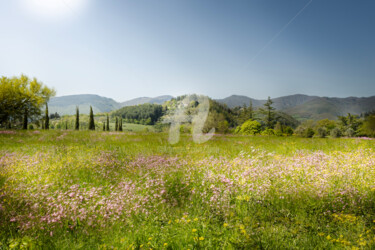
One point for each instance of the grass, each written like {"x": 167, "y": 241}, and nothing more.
{"x": 107, "y": 190}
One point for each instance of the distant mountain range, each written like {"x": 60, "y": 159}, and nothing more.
{"x": 299, "y": 106}
{"x": 66, "y": 105}
{"x": 309, "y": 107}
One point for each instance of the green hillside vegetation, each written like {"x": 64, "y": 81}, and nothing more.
{"x": 66, "y": 105}
{"x": 147, "y": 114}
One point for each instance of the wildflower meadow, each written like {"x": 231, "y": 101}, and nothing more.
{"x": 112, "y": 190}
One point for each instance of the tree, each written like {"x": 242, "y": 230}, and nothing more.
{"x": 116, "y": 125}
{"x": 251, "y": 110}
{"x": 269, "y": 113}
{"x": 66, "y": 125}
{"x": 368, "y": 126}
{"x": 107, "y": 122}
{"x": 120, "y": 124}
{"x": 77, "y": 119}
{"x": 20, "y": 98}
{"x": 103, "y": 126}
{"x": 91, "y": 120}
{"x": 46, "y": 126}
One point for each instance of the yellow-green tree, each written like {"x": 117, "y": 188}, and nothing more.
{"x": 22, "y": 99}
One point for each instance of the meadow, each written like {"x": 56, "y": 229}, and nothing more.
{"x": 133, "y": 190}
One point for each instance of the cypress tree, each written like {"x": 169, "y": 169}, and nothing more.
{"x": 46, "y": 125}
{"x": 103, "y": 126}
{"x": 120, "y": 125}
{"x": 77, "y": 119}
{"x": 42, "y": 124}
{"x": 66, "y": 125}
{"x": 91, "y": 121}
{"x": 116, "y": 125}
{"x": 107, "y": 123}
{"x": 25, "y": 120}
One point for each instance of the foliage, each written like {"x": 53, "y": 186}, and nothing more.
{"x": 250, "y": 127}
{"x": 77, "y": 119}
{"x": 46, "y": 118}
{"x": 91, "y": 120}
{"x": 268, "y": 131}
{"x": 335, "y": 133}
{"x": 147, "y": 114}
{"x": 368, "y": 126}
{"x": 20, "y": 98}
{"x": 269, "y": 113}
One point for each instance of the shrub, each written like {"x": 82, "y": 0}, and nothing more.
{"x": 31, "y": 126}
{"x": 268, "y": 131}
{"x": 350, "y": 132}
{"x": 288, "y": 131}
{"x": 309, "y": 133}
{"x": 250, "y": 127}
{"x": 335, "y": 133}
{"x": 322, "y": 132}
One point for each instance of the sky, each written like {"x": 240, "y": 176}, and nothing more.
{"x": 123, "y": 49}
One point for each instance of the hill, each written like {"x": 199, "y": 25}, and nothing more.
{"x": 309, "y": 107}
{"x": 143, "y": 100}
{"x": 66, "y": 105}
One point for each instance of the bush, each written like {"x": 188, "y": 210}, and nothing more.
{"x": 335, "y": 133}
{"x": 268, "y": 131}
{"x": 31, "y": 126}
{"x": 288, "y": 131}
{"x": 250, "y": 127}
{"x": 309, "y": 133}
{"x": 350, "y": 132}
{"x": 322, "y": 132}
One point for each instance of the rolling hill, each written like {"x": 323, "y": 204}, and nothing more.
{"x": 143, "y": 100}
{"x": 301, "y": 107}
{"x": 305, "y": 107}
{"x": 66, "y": 105}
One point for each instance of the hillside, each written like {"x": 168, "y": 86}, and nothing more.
{"x": 309, "y": 107}
{"x": 143, "y": 100}
{"x": 66, "y": 105}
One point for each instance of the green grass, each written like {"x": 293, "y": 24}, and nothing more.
{"x": 133, "y": 190}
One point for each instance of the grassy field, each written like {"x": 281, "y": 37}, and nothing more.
{"x": 112, "y": 190}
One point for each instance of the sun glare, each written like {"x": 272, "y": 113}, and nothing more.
{"x": 54, "y": 9}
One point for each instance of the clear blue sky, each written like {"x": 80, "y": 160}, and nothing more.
{"x": 130, "y": 48}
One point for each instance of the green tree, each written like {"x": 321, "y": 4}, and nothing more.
{"x": 66, "y": 125}
{"x": 46, "y": 125}
{"x": 103, "y": 126}
{"x": 77, "y": 119}
{"x": 120, "y": 124}
{"x": 20, "y": 98}
{"x": 368, "y": 126}
{"x": 269, "y": 113}
{"x": 91, "y": 120}
{"x": 116, "y": 124}
{"x": 251, "y": 110}
{"x": 107, "y": 122}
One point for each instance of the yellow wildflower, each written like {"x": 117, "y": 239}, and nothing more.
{"x": 201, "y": 238}
{"x": 194, "y": 230}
